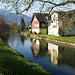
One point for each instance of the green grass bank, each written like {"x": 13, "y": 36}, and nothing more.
{"x": 69, "y": 39}
{"x": 12, "y": 63}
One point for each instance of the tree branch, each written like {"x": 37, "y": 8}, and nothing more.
{"x": 43, "y": 1}
{"x": 27, "y": 7}
{"x": 17, "y": 7}
{"x": 63, "y": 3}
{"x": 42, "y": 7}
{"x": 51, "y": 9}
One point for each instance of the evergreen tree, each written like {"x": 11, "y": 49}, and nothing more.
{"x": 22, "y": 25}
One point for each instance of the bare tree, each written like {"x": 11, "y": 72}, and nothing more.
{"x": 24, "y": 5}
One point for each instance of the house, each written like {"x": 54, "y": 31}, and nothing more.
{"x": 53, "y": 26}
{"x": 62, "y": 23}
{"x": 39, "y": 24}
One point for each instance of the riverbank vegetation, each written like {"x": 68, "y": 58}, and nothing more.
{"x": 69, "y": 39}
{"x": 4, "y": 29}
{"x": 13, "y": 63}
{"x": 14, "y": 27}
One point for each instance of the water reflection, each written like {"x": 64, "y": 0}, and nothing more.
{"x": 59, "y": 55}
{"x": 57, "y": 59}
{"x": 42, "y": 48}
{"x": 53, "y": 52}
{"x": 67, "y": 56}
{"x": 35, "y": 47}
{"x": 22, "y": 38}
{"x": 13, "y": 40}
{"x": 39, "y": 48}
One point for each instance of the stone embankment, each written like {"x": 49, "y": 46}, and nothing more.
{"x": 50, "y": 40}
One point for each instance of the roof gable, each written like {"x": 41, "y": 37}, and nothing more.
{"x": 41, "y": 17}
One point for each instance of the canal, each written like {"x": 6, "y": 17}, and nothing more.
{"x": 60, "y": 60}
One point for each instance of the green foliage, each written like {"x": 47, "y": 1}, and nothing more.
{"x": 61, "y": 32}
{"x": 22, "y": 25}
{"x": 12, "y": 63}
{"x": 15, "y": 27}
{"x": 4, "y": 29}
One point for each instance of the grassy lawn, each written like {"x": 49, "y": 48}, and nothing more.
{"x": 59, "y": 38}
{"x": 12, "y": 63}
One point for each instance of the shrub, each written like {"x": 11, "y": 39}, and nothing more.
{"x": 61, "y": 32}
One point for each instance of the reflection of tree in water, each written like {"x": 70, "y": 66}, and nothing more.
{"x": 31, "y": 39}
{"x": 66, "y": 56}
{"x": 22, "y": 39}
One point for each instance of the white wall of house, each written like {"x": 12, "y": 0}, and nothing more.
{"x": 53, "y": 27}
{"x": 36, "y": 30}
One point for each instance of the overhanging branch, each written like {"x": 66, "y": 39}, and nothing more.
{"x": 63, "y": 3}
{"x": 27, "y": 7}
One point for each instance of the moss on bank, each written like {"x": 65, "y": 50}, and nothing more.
{"x": 12, "y": 63}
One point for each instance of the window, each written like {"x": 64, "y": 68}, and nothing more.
{"x": 43, "y": 25}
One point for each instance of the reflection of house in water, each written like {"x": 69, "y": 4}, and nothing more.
{"x": 53, "y": 51}
{"x": 35, "y": 47}
{"x": 39, "y": 48}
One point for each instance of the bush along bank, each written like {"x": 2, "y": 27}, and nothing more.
{"x": 12, "y": 63}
